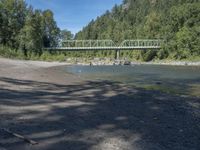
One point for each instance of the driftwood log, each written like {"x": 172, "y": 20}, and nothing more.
{"x": 20, "y": 136}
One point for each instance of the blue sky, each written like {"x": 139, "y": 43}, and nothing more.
{"x": 74, "y": 14}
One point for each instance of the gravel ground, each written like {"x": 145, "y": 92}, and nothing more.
{"x": 62, "y": 111}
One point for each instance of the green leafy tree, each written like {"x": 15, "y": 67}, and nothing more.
{"x": 30, "y": 37}
{"x": 50, "y": 30}
{"x": 12, "y": 16}
{"x": 66, "y": 35}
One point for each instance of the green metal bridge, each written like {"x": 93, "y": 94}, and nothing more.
{"x": 86, "y": 45}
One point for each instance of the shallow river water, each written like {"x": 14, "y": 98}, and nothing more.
{"x": 184, "y": 80}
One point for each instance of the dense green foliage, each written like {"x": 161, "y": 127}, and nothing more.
{"x": 25, "y": 31}
{"x": 175, "y": 21}
{"x": 66, "y": 35}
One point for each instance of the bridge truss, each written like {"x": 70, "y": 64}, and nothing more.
{"x": 71, "y": 45}
{"x": 85, "y": 45}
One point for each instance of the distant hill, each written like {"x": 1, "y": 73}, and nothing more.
{"x": 175, "y": 21}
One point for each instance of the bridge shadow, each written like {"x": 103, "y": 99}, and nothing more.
{"x": 96, "y": 115}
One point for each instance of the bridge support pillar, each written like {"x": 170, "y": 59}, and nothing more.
{"x": 117, "y": 54}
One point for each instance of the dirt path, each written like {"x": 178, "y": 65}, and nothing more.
{"x": 61, "y": 111}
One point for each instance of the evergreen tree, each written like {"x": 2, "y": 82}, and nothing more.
{"x": 176, "y": 22}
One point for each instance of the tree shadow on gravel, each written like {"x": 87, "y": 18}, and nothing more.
{"x": 96, "y": 115}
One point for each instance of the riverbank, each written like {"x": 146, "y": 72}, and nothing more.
{"x": 110, "y": 62}
{"x": 99, "y": 62}
{"x": 35, "y": 70}
{"x": 171, "y": 63}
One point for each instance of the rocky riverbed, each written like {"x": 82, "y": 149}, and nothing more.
{"x": 108, "y": 61}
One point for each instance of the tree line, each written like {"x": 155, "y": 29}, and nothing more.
{"x": 26, "y": 30}
{"x": 175, "y": 21}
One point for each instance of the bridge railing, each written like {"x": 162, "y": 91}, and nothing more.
{"x": 88, "y": 43}
{"x": 109, "y": 43}
{"x": 141, "y": 43}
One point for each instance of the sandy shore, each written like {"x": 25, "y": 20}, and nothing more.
{"x": 63, "y": 112}
{"x": 35, "y": 70}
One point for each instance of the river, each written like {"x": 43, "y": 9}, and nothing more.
{"x": 184, "y": 80}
